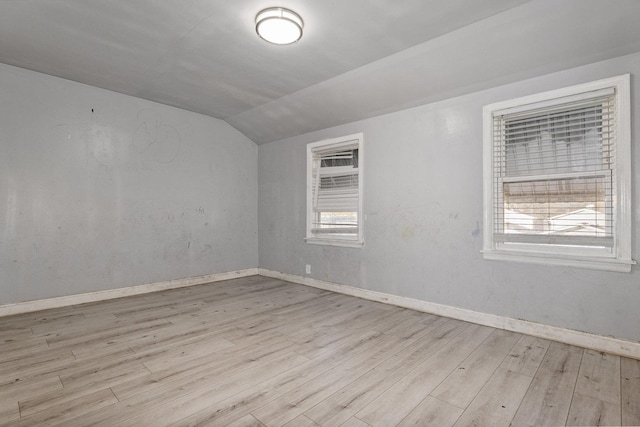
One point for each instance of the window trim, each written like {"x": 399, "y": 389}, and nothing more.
{"x": 353, "y": 242}
{"x": 617, "y": 259}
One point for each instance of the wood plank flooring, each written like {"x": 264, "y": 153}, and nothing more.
{"x": 263, "y": 352}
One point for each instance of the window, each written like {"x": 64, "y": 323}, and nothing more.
{"x": 334, "y": 191}
{"x": 557, "y": 177}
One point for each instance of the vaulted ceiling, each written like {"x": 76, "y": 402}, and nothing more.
{"x": 357, "y": 58}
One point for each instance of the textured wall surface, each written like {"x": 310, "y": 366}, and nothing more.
{"x": 423, "y": 217}
{"x": 100, "y": 190}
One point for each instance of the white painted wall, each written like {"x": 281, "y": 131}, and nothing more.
{"x": 100, "y": 190}
{"x": 423, "y": 217}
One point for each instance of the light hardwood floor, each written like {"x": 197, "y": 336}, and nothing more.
{"x": 258, "y": 351}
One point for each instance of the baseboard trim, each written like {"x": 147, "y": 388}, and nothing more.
{"x": 602, "y": 343}
{"x": 606, "y": 344}
{"x": 64, "y": 301}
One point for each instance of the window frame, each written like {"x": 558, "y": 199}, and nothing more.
{"x": 617, "y": 258}
{"x": 326, "y": 145}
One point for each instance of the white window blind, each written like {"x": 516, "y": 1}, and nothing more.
{"x": 334, "y": 186}
{"x": 335, "y": 190}
{"x": 335, "y": 180}
{"x": 554, "y": 173}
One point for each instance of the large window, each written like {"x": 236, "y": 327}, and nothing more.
{"x": 557, "y": 177}
{"x": 334, "y": 191}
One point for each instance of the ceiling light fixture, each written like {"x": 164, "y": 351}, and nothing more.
{"x": 278, "y": 25}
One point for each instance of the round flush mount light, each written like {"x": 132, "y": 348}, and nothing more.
{"x": 278, "y": 25}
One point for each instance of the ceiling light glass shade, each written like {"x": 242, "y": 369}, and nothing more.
{"x": 278, "y": 25}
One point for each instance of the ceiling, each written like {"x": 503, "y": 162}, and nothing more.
{"x": 357, "y": 58}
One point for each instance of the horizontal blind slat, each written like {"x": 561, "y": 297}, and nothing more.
{"x": 549, "y": 105}
{"x": 605, "y": 241}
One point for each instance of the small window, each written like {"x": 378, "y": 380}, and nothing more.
{"x": 557, "y": 177}
{"x": 334, "y": 191}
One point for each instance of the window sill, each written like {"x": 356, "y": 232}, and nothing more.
{"x": 334, "y": 242}
{"x": 592, "y": 263}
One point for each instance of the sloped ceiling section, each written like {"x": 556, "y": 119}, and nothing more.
{"x": 357, "y": 59}
{"x": 531, "y": 40}
{"x": 205, "y": 56}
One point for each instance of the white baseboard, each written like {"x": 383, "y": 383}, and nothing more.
{"x": 45, "y": 304}
{"x": 568, "y": 336}
{"x": 582, "y": 339}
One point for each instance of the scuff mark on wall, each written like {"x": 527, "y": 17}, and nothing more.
{"x": 476, "y": 232}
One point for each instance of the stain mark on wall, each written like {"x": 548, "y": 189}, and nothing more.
{"x": 476, "y": 232}
{"x": 407, "y": 232}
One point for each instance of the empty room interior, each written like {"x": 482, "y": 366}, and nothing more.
{"x": 295, "y": 213}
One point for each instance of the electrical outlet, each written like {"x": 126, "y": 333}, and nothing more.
{"x": 307, "y": 268}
